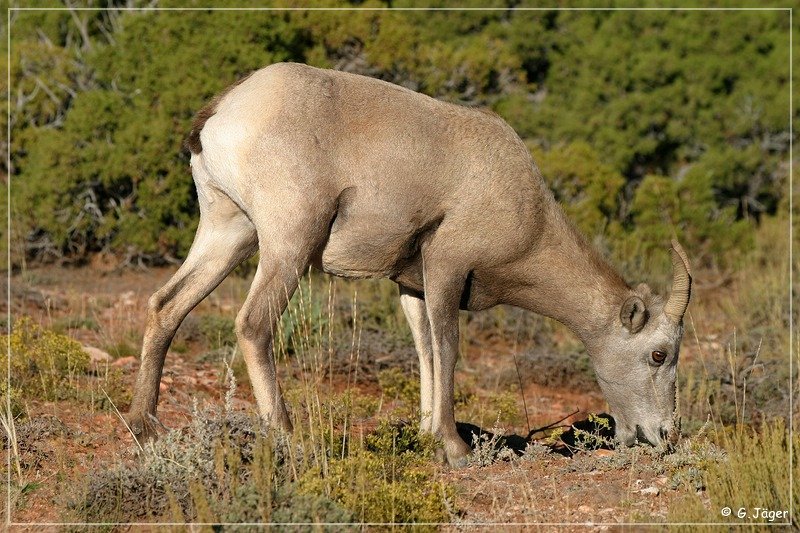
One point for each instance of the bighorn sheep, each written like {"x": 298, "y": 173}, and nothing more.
{"x": 362, "y": 178}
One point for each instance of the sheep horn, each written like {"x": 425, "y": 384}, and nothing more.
{"x": 681, "y": 284}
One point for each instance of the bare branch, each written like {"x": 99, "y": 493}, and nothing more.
{"x": 81, "y": 24}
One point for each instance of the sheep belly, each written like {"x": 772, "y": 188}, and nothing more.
{"x": 364, "y": 251}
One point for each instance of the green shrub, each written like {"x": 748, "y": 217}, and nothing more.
{"x": 696, "y": 98}
{"x": 122, "y": 348}
{"x": 382, "y": 488}
{"x": 324, "y": 513}
{"x": 397, "y": 438}
{"x": 45, "y": 365}
{"x": 218, "y": 331}
{"x": 379, "y": 311}
{"x": 306, "y": 318}
{"x": 110, "y": 390}
{"x": 598, "y": 434}
{"x": 665, "y": 207}
{"x": 116, "y": 189}
{"x": 401, "y": 386}
{"x": 49, "y": 366}
{"x": 589, "y": 189}
{"x": 14, "y": 399}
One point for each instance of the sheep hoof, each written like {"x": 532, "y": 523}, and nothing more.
{"x": 144, "y": 427}
{"x": 454, "y": 453}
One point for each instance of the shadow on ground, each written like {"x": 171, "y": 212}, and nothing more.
{"x": 572, "y": 437}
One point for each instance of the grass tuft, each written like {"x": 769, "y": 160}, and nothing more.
{"x": 753, "y": 473}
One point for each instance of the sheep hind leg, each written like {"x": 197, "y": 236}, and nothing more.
{"x": 225, "y": 237}
{"x": 256, "y": 323}
{"x": 284, "y": 257}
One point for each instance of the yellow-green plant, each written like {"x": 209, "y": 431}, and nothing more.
{"x": 401, "y": 387}
{"x": 752, "y": 483}
{"x": 44, "y": 365}
{"x": 383, "y": 488}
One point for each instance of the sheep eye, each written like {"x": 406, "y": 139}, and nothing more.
{"x": 659, "y": 357}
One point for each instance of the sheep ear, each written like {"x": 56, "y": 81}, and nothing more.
{"x": 633, "y": 314}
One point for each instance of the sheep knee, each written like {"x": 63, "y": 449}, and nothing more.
{"x": 155, "y": 304}
{"x": 248, "y": 327}
{"x": 158, "y": 313}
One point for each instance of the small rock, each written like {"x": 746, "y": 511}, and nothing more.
{"x": 163, "y": 387}
{"x": 167, "y": 380}
{"x": 125, "y": 362}
{"x": 604, "y": 453}
{"x": 96, "y": 355}
{"x": 585, "y": 509}
{"x": 650, "y": 490}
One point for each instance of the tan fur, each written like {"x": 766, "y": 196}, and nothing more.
{"x": 362, "y": 178}
{"x": 192, "y": 142}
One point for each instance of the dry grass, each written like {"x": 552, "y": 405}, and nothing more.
{"x": 348, "y": 365}
{"x": 752, "y": 480}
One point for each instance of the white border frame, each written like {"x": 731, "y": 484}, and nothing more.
{"x": 9, "y": 523}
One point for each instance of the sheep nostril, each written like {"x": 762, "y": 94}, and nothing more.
{"x": 664, "y": 433}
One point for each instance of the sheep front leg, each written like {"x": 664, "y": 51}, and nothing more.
{"x": 442, "y": 297}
